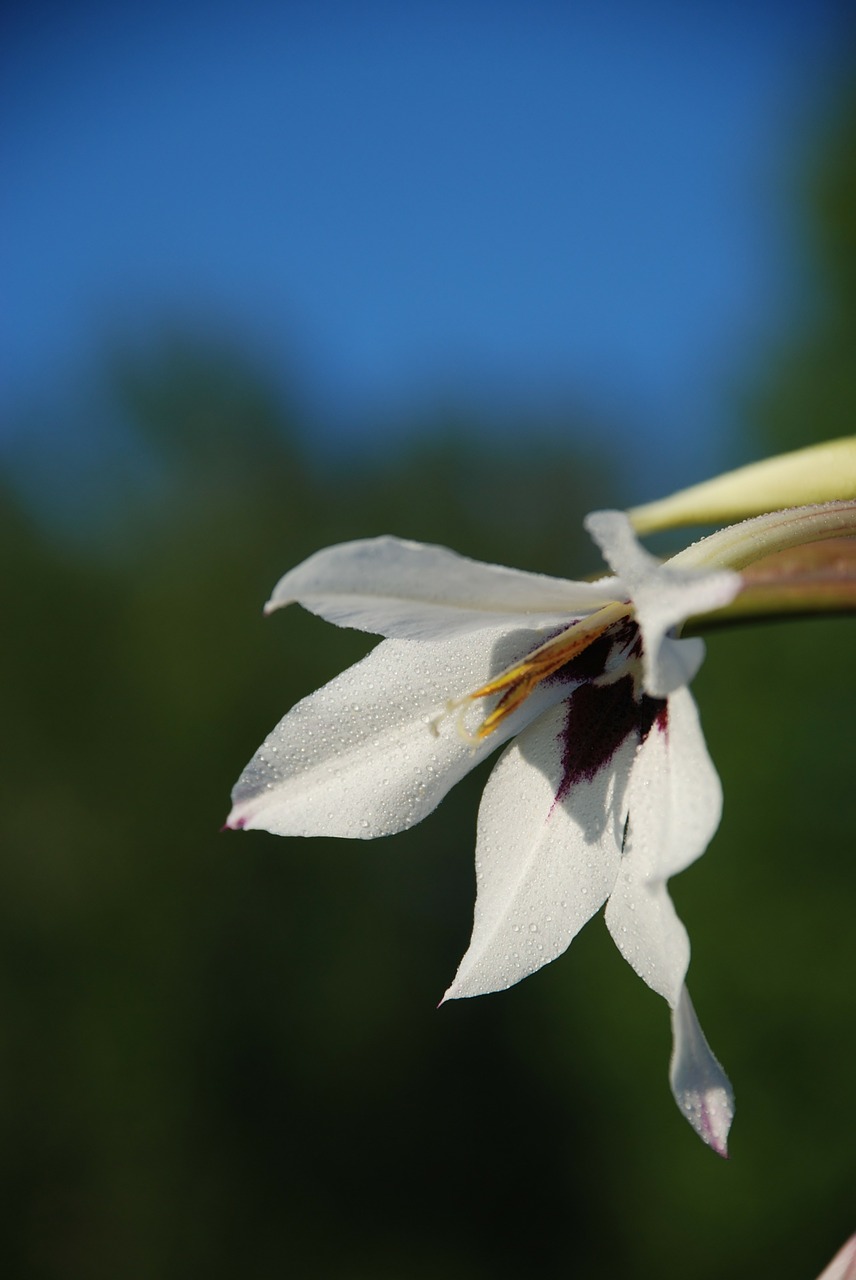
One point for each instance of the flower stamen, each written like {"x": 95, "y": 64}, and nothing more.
{"x": 517, "y": 682}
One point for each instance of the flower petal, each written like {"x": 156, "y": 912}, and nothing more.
{"x": 675, "y": 797}
{"x": 358, "y": 758}
{"x": 409, "y": 590}
{"x": 545, "y": 860}
{"x": 663, "y": 597}
{"x": 674, "y": 802}
{"x": 699, "y": 1085}
{"x": 843, "y": 1265}
{"x": 648, "y": 932}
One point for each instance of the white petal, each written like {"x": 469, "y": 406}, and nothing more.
{"x": 625, "y": 555}
{"x": 700, "y": 1087}
{"x": 674, "y": 802}
{"x": 409, "y": 590}
{"x": 544, "y": 864}
{"x": 675, "y": 796}
{"x": 663, "y": 597}
{"x": 843, "y": 1265}
{"x": 358, "y": 758}
{"x": 648, "y": 933}
{"x": 662, "y": 604}
{"x": 674, "y": 663}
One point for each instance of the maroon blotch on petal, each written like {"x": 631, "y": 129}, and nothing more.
{"x": 599, "y": 719}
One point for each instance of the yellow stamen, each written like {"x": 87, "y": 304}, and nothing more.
{"x": 516, "y": 683}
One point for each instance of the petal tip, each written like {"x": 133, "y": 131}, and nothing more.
{"x": 710, "y": 1112}
{"x": 699, "y": 1085}
{"x": 449, "y": 994}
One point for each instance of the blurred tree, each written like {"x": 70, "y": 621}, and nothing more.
{"x": 211, "y": 1059}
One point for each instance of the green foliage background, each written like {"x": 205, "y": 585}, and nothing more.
{"x": 220, "y": 1053}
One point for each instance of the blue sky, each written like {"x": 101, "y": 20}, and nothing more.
{"x": 394, "y": 202}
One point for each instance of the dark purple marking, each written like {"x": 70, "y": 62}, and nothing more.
{"x": 592, "y": 661}
{"x": 599, "y": 719}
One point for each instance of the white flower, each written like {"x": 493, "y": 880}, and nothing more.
{"x": 606, "y": 790}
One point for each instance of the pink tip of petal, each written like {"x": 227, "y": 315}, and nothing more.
{"x": 843, "y": 1265}
{"x": 234, "y": 824}
{"x": 699, "y": 1085}
{"x": 710, "y": 1113}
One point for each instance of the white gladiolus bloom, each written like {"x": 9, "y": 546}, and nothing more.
{"x": 605, "y": 788}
